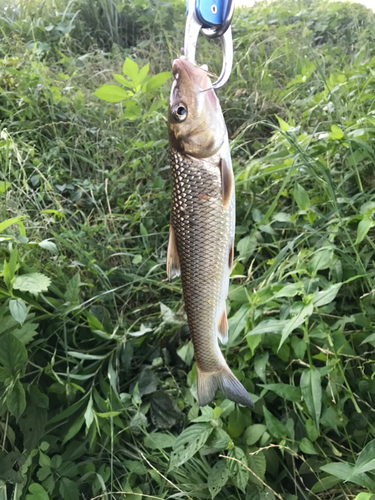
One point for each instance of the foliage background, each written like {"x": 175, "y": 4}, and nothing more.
{"x": 97, "y": 377}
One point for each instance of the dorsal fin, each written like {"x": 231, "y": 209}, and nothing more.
{"x": 222, "y": 327}
{"x": 226, "y": 182}
{"x": 173, "y": 260}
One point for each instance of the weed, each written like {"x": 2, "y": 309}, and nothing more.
{"x": 97, "y": 378}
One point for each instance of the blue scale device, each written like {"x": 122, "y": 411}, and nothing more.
{"x": 211, "y": 13}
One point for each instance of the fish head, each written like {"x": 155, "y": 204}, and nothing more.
{"x": 196, "y": 123}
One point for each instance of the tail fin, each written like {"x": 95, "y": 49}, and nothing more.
{"x": 229, "y": 385}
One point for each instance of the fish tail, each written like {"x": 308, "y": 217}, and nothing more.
{"x": 225, "y": 380}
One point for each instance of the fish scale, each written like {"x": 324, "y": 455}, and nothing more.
{"x": 201, "y": 228}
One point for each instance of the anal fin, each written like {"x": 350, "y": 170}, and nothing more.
{"x": 222, "y": 327}
{"x": 173, "y": 260}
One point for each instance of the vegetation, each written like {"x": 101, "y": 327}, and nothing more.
{"x": 97, "y": 377}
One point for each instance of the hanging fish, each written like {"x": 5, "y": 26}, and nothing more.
{"x": 201, "y": 234}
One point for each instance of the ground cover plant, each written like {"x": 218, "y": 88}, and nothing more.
{"x": 97, "y": 377}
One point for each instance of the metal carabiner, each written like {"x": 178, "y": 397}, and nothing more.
{"x": 215, "y": 24}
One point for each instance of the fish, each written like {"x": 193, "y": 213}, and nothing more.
{"x": 202, "y": 224}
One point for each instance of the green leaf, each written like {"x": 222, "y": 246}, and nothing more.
{"x": 311, "y": 430}
{"x": 219, "y": 440}
{"x": 188, "y": 443}
{"x": 257, "y": 465}
{"x": 37, "y": 492}
{"x": 325, "y": 484}
{"x": 4, "y": 186}
{"x": 186, "y": 353}
{"x": 236, "y": 423}
{"x": 143, "y": 72}
{"x": 74, "y": 429}
{"x": 260, "y": 364}
{"x": 252, "y": 342}
{"x": 268, "y": 326}
{"x": 164, "y": 410}
{"x": 290, "y": 290}
{"x": 282, "y": 124}
{"x": 32, "y": 283}
{"x": 299, "y": 347}
{"x": 49, "y": 245}
{"x": 130, "y": 69}
{"x": 326, "y": 296}
{"x": 34, "y": 418}
{"x": 18, "y": 310}
{"x": 303, "y": 312}
{"x": 320, "y": 260}
{"x": 363, "y": 228}
{"x": 217, "y": 477}
{"x": 89, "y": 414}
{"x": 136, "y": 492}
{"x": 13, "y": 354}
{"x": 246, "y": 247}
{"x": 274, "y": 426}
{"x": 68, "y": 489}
{"x": 79, "y": 101}
{"x": 239, "y": 474}
{"x": 72, "y": 289}
{"x": 13, "y": 263}
{"x": 68, "y": 411}
{"x": 157, "y": 81}
{"x": 306, "y": 446}
{"x": 112, "y": 93}
{"x": 123, "y": 81}
{"x": 336, "y": 133}
{"x": 369, "y": 338}
{"x": 147, "y": 382}
{"x": 254, "y": 433}
{"x": 332, "y": 418}
{"x": 312, "y": 393}
{"x": 26, "y": 332}
{"x": 285, "y": 391}
{"x": 83, "y": 355}
{"x": 132, "y": 112}
{"x": 207, "y": 414}
{"x": 108, "y": 414}
{"x": 159, "y": 440}
{"x": 16, "y": 400}
{"x": 366, "y": 459}
{"x": 43, "y": 473}
{"x": 4, "y": 375}
{"x": 14, "y": 220}
{"x": 138, "y": 423}
{"x": 237, "y": 323}
{"x": 365, "y": 496}
{"x": 342, "y": 470}
{"x": 301, "y": 197}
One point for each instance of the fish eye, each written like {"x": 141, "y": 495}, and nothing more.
{"x": 179, "y": 112}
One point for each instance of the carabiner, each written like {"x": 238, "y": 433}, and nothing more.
{"x": 214, "y": 20}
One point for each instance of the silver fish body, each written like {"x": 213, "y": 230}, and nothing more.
{"x": 202, "y": 224}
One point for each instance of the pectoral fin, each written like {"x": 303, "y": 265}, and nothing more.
{"x": 222, "y": 327}
{"x": 173, "y": 260}
{"x": 231, "y": 256}
{"x": 226, "y": 182}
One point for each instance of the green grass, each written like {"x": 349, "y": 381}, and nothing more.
{"x": 97, "y": 377}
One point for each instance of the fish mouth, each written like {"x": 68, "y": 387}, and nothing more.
{"x": 197, "y": 75}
